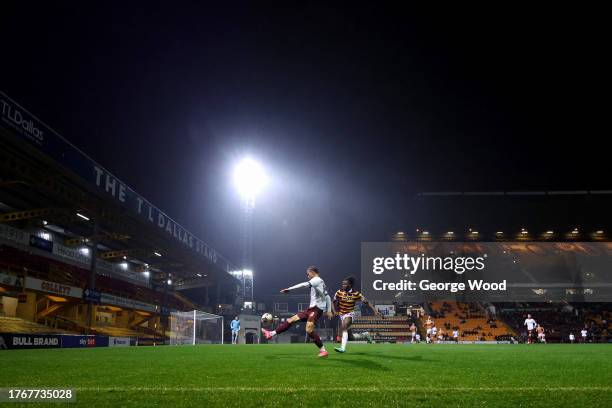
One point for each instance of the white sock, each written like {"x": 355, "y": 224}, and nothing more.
{"x": 273, "y": 333}
{"x": 344, "y": 339}
{"x": 322, "y": 348}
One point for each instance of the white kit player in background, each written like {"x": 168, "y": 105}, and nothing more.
{"x": 531, "y": 325}
{"x": 456, "y": 335}
{"x": 572, "y": 338}
{"x": 584, "y": 334}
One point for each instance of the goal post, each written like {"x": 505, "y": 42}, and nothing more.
{"x": 195, "y": 327}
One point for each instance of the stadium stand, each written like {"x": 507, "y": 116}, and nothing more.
{"x": 388, "y": 329}
{"x": 561, "y": 319}
{"x": 470, "y": 319}
{"x": 58, "y": 207}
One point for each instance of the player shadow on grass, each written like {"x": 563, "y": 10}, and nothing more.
{"x": 403, "y": 358}
{"x": 367, "y": 364}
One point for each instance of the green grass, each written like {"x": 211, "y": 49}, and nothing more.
{"x": 292, "y": 375}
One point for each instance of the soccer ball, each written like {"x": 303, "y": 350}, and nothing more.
{"x": 266, "y": 318}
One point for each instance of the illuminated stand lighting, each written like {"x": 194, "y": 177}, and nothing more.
{"x": 245, "y": 277}
{"x": 82, "y": 216}
{"x": 399, "y": 237}
{"x": 249, "y": 179}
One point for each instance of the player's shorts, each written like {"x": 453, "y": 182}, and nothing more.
{"x": 344, "y": 316}
{"x": 311, "y": 314}
{"x": 540, "y": 335}
{"x": 428, "y": 331}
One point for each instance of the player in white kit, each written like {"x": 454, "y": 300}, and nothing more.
{"x": 320, "y": 302}
{"x": 531, "y": 325}
{"x": 428, "y": 325}
{"x": 434, "y": 334}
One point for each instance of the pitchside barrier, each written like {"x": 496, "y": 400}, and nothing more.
{"x": 34, "y": 341}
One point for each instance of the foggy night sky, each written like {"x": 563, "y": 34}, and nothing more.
{"x": 351, "y": 110}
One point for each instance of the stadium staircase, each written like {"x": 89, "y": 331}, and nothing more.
{"x": 470, "y": 319}
{"x": 137, "y": 319}
{"x": 17, "y": 325}
{"x": 67, "y": 325}
{"x": 389, "y": 329}
{"x": 46, "y": 308}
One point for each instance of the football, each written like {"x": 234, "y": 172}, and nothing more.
{"x": 266, "y": 318}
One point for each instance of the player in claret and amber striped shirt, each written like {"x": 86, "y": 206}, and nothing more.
{"x": 344, "y": 302}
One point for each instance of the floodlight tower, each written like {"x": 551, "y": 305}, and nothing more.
{"x": 250, "y": 179}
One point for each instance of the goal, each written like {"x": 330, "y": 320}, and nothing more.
{"x": 195, "y": 327}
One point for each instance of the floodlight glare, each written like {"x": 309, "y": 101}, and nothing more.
{"x": 249, "y": 178}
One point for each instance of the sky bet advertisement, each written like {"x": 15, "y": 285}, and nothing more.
{"x": 487, "y": 271}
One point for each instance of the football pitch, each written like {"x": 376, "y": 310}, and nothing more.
{"x": 290, "y": 375}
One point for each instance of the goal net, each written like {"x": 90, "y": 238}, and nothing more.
{"x": 195, "y": 327}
